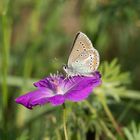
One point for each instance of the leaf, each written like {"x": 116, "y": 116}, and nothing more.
{"x": 132, "y": 132}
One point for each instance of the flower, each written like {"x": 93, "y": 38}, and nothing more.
{"x": 57, "y": 89}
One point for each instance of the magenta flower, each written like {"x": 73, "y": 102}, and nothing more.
{"x": 57, "y": 89}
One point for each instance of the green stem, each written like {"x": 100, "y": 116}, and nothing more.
{"x": 6, "y": 30}
{"x": 125, "y": 111}
{"x": 103, "y": 125}
{"x": 64, "y": 122}
{"x": 110, "y": 116}
{"x": 107, "y": 131}
{"x": 5, "y": 57}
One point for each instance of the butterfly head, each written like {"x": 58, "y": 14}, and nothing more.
{"x": 65, "y": 68}
{"x": 68, "y": 70}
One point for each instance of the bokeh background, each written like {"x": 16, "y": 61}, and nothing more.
{"x": 35, "y": 40}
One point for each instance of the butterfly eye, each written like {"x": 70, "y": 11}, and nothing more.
{"x": 64, "y": 67}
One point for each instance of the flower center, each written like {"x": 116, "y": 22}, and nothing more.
{"x": 57, "y": 87}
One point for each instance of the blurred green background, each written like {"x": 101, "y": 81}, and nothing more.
{"x": 35, "y": 40}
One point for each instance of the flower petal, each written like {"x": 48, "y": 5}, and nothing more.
{"x": 83, "y": 87}
{"x": 57, "y": 100}
{"x": 37, "y": 97}
{"x": 48, "y": 82}
{"x": 42, "y": 83}
{"x": 56, "y": 89}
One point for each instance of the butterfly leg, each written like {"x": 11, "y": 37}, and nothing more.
{"x": 72, "y": 79}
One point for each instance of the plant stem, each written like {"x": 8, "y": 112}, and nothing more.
{"x": 110, "y": 116}
{"x": 108, "y": 132}
{"x": 64, "y": 122}
{"x": 6, "y": 32}
{"x": 5, "y": 57}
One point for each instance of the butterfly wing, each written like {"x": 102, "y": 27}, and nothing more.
{"x": 81, "y": 43}
{"x": 87, "y": 62}
{"x": 84, "y": 58}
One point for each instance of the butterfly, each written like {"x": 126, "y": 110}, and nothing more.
{"x": 83, "y": 59}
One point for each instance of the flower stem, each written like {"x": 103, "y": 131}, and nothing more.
{"x": 64, "y": 122}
